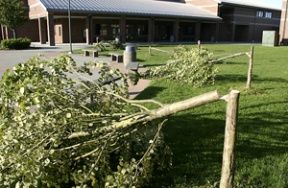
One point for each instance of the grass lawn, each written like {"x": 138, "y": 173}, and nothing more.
{"x": 196, "y": 136}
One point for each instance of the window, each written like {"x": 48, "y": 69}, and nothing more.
{"x": 142, "y": 30}
{"x": 259, "y": 14}
{"x": 103, "y": 29}
{"x": 115, "y": 29}
{"x": 189, "y": 30}
{"x": 268, "y": 14}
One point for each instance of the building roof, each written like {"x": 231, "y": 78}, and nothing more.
{"x": 250, "y": 3}
{"x": 130, "y": 7}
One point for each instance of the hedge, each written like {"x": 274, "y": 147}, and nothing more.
{"x": 19, "y": 43}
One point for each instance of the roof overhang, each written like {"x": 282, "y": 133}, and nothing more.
{"x": 148, "y": 8}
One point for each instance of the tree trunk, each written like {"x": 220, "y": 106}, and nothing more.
{"x": 158, "y": 113}
{"x": 14, "y": 33}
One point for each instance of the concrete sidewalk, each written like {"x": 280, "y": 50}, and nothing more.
{"x": 9, "y": 58}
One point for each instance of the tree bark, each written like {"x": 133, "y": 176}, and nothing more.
{"x": 227, "y": 57}
{"x": 228, "y": 164}
{"x": 158, "y": 113}
{"x": 14, "y": 33}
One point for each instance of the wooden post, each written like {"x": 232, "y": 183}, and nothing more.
{"x": 249, "y": 77}
{"x": 228, "y": 163}
{"x": 149, "y": 50}
{"x": 199, "y": 47}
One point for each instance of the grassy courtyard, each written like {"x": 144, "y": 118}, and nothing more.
{"x": 196, "y": 136}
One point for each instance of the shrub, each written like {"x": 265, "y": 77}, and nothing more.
{"x": 116, "y": 45}
{"x": 100, "y": 46}
{"x": 19, "y": 43}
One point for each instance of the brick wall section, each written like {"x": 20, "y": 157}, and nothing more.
{"x": 283, "y": 32}
{"x": 30, "y": 30}
{"x": 241, "y": 24}
{"x": 209, "y": 5}
{"x": 78, "y": 27}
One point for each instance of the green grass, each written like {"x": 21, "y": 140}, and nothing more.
{"x": 196, "y": 136}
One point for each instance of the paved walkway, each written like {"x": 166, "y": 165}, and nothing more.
{"x": 12, "y": 57}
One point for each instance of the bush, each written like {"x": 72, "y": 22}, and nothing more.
{"x": 19, "y": 43}
{"x": 100, "y": 46}
{"x": 116, "y": 45}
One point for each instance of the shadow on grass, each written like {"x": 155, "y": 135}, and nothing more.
{"x": 150, "y": 92}
{"x": 240, "y": 78}
{"x": 231, "y": 63}
{"x": 197, "y": 145}
{"x": 154, "y": 65}
{"x": 231, "y": 77}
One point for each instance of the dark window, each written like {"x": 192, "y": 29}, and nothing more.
{"x": 98, "y": 29}
{"x": 103, "y": 29}
{"x": 189, "y": 30}
{"x": 142, "y": 30}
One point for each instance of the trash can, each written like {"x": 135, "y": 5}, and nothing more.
{"x": 129, "y": 54}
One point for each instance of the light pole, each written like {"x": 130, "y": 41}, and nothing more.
{"x": 69, "y": 20}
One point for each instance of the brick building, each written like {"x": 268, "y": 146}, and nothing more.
{"x": 148, "y": 20}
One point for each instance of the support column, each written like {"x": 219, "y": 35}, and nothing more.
{"x": 50, "y": 29}
{"x": 151, "y": 30}
{"x": 176, "y": 30}
{"x": 42, "y": 30}
{"x": 122, "y": 24}
{"x": 197, "y": 31}
{"x": 2, "y": 32}
{"x": 89, "y": 30}
{"x": 6, "y": 32}
{"x": 217, "y": 32}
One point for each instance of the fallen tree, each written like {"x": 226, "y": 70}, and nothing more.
{"x": 53, "y": 136}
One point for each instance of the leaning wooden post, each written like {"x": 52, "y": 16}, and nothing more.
{"x": 249, "y": 77}
{"x": 228, "y": 163}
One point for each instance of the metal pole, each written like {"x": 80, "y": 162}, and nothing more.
{"x": 69, "y": 19}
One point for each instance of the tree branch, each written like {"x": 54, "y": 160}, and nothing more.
{"x": 155, "y": 114}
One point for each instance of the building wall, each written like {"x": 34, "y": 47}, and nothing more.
{"x": 29, "y": 30}
{"x": 283, "y": 32}
{"x": 62, "y": 30}
{"x": 241, "y": 23}
{"x": 238, "y": 24}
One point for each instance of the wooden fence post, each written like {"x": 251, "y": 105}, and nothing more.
{"x": 249, "y": 77}
{"x": 228, "y": 164}
{"x": 199, "y": 47}
{"x": 149, "y": 50}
